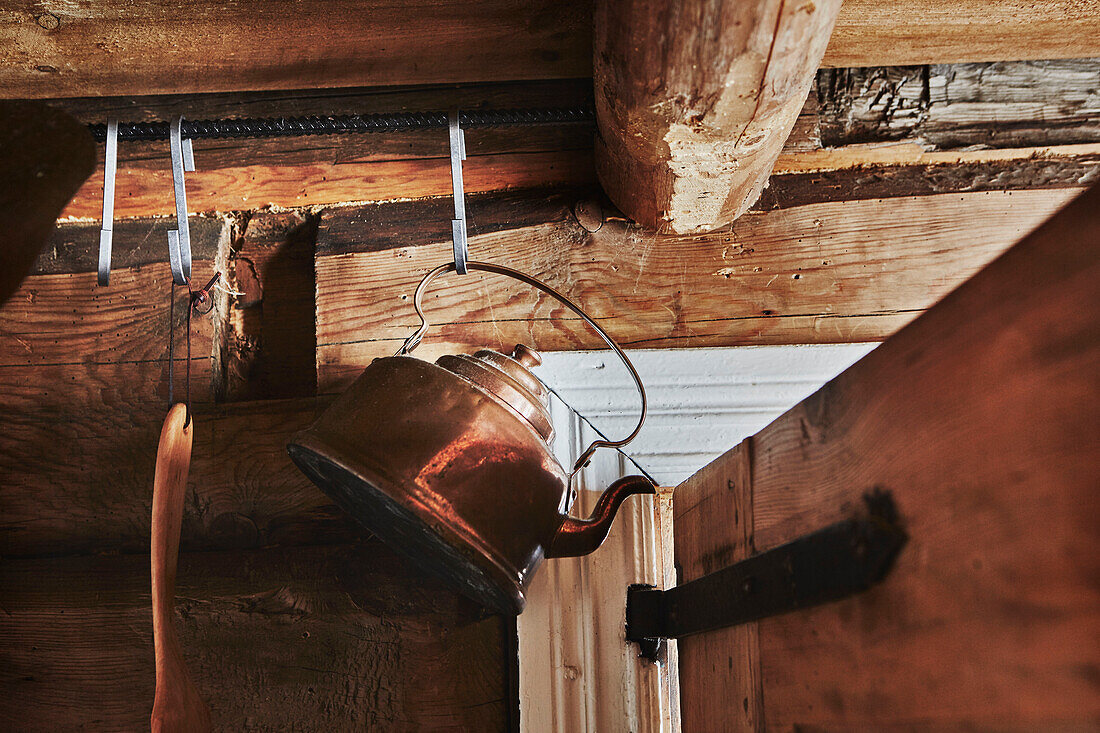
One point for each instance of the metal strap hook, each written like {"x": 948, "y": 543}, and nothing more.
{"x": 179, "y": 239}
{"x": 458, "y": 224}
{"x": 106, "y": 231}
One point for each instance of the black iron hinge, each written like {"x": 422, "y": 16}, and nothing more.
{"x": 830, "y": 564}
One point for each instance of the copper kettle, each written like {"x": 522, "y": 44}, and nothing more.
{"x": 450, "y": 463}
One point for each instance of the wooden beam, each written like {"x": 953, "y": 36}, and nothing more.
{"x": 816, "y": 273}
{"x": 947, "y": 106}
{"x": 91, "y": 49}
{"x": 980, "y": 419}
{"x": 88, "y": 48}
{"x": 328, "y": 169}
{"x": 307, "y": 638}
{"x": 900, "y": 32}
{"x": 954, "y": 138}
{"x": 695, "y": 100}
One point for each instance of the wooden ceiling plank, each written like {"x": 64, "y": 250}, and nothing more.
{"x": 907, "y": 32}
{"x": 92, "y": 48}
{"x": 89, "y": 47}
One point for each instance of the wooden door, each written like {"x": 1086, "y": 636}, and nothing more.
{"x": 981, "y": 418}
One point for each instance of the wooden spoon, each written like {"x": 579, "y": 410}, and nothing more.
{"x": 176, "y": 705}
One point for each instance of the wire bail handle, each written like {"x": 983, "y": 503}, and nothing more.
{"x": 414, "y": 340}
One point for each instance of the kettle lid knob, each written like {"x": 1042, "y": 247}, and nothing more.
{"x": 526, "y": 356}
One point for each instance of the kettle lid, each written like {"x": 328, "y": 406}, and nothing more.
{"x": 508, "y": 380}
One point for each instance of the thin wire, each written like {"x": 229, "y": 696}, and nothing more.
{"x": 171, "y": 342}
{"x": 598, "y": 432}
{"x": 190, "y": 310}
{"x": 171, "y": 350}
{"x": 195, "y": 298}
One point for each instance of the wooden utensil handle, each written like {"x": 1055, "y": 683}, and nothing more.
{"x": 176, "y": 705}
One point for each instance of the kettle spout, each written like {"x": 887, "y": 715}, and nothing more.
{"x": 576, "y": 537}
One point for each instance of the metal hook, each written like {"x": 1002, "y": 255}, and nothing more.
{"x": 457, "y": 140}
{"x": 106, "y": 230}
{"x": 179, "y": 239}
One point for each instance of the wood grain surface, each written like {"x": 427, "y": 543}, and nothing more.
{"x": 686, "y": 146}
{"x": 86, "y": 48}
{"x": 305, "y": 638}
{"x": 821, "y": 273}
{"x": 980, "y": 419}
{"x": 885, "y": 131}
{"x": 713, "y": 515}
{"x": 946, "y": 106}
{"x": 81, "y": 48}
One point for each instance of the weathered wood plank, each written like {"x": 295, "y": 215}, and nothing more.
{"x": 244, "y": 491}
{"x": 85, "y": 48}
{"x": 311, "y": 639}
{"x": 714, "y": 529}
{"x": 980, "y": 419}
{"x": 821, "y": 273}
{"x": 1002, "y": 105}
{"x": 77, "y": 351}
{"x": 686, "y": 146}
{"x": 897, "y": 33}
{"x": 333, "y": 168}
{"x": 146, "y": 192}
{"x": 59, "y": 315}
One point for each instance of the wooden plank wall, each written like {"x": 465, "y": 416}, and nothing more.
{"x": 289, "y": 617}
{"x": 851, "y": 242}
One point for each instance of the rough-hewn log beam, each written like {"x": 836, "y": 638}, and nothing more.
{"x": 980, "y": 419}
{"x": 694, "y": 101}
